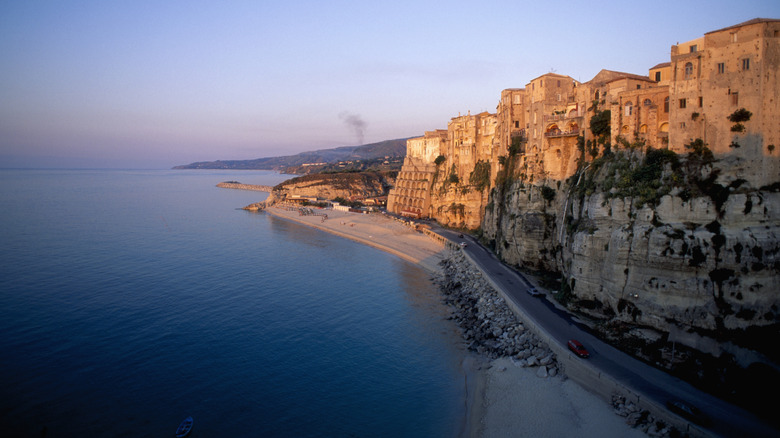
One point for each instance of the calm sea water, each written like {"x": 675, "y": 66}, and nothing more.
{"x": 132, "y": 299}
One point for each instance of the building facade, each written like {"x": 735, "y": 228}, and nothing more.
{"x": 694, "y": 96}
{"x": 716, "y": 75}
{"x": 411, "y": 195}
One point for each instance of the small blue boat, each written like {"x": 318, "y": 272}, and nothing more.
{"x": 184, "y": 428}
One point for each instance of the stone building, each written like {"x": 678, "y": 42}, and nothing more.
{"x": 469, "y": 139}
{"x": 724, "y": 71}
{"x": 640, "y": 111}
{"x": 456, "y": 199}
{"x": 553, "y": 122}
{"x": 510, "y": 125}
{"x": 411, "y": 195}
{"x": 690, "y": 97}
{"x": 661, "y": 73}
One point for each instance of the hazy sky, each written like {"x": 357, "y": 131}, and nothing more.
{"x": 153, "y": 84}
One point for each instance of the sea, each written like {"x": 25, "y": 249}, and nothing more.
{"x": 132, "y": 299}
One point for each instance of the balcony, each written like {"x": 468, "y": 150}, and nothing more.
{"x": 560, "y": 117}
{"x": 558, "y": 133}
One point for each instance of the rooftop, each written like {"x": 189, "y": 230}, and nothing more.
{"x": 747, "y": 23}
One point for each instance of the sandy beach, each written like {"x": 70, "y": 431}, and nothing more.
{"x": 377, "y": 230}
{"x": 505, "y": 400}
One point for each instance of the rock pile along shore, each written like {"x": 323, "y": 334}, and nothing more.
{"x": 487, "y": 323}
{"x": 493, "y": 331}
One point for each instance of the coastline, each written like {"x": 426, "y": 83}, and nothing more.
{"x": 501, "y": 397}
{"x": 376, "y": 230}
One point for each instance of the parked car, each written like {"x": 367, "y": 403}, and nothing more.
{"x": 462, "y": 244}
{"x": 688, "y": 411}
{"x": 578, "y": 349}
{"x": 534, "y": 292}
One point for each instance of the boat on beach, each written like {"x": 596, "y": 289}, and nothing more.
{"x": 184, "y": 428}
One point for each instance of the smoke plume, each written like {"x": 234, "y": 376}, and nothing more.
{"x": 356, "y": 124}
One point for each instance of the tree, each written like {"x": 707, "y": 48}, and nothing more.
{"x": 737, "y": 117}
{"x": 600, "y": 123}
{"x": 453, "y": 178}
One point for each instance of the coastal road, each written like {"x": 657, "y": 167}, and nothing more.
{"x": 652, "y": 383}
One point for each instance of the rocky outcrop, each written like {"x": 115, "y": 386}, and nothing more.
{"x": 641, "y": 419}
{"x": 335, "y": 185}
{"x": 678, "y": 263}
{"x": 488, "y": 324}
{"x": 684, "y": 247}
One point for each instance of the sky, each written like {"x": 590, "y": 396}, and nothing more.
{"x": 154, "y": 84}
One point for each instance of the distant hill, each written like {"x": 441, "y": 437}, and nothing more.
{"x": 387, "y": 148}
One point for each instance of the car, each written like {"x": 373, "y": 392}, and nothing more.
{"x": 462, "y": 244}
{"x": 460, "y": 235}
{"x": 534, "y": 292}
{"x": 578, "y": 349}
{"x": 688, "y": 411}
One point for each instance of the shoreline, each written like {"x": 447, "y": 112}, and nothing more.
{"x": 501, "y": 397}
{"x": 375, "y": 230}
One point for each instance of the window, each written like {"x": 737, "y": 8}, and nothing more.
{"x": 701, "y": 102}
{"x": 694, "y": 48}
{"x": 682, "y": 125}
{"x": 666, "y": 104}
{"x": 658, "y": 76}
{"x": 682, "y": 103}
{"x": 629, "y": 109}
{"x": 721, "y": 67}
{"x": 558, "y": 97}
{"x": 735, "y": 99}
{"x": 688, "y": 70}
{"x": 647, "y": 102}
{"x": 559, "y": 82}
{"x": 517, "y": 124}
{"x": 597, "y": 95}
{"x": 733, "y": 37}
{"x": 746, "y": 64}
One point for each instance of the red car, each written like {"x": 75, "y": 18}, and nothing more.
{"x": 578, "y": 348}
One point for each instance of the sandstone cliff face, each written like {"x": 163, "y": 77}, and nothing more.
{"x": 683, "y": 260}
{"x": 458, "y": 206}
{"x": 332, "y": 186}
{"x": 679, "y": 263}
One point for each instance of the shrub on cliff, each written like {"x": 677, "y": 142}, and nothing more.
{"x": 548, "y": 193}
{"x": 453, "y": 178}
{"x": 600, "y": 123}
{"x": 480, "y": 176}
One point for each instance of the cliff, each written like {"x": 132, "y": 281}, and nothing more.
{"x": 330, "y": 186}
{"x": 650, "y": 238}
